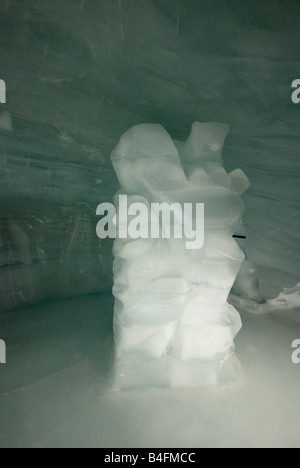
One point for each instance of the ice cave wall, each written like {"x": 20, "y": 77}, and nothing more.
{"x": 79, "y": 73}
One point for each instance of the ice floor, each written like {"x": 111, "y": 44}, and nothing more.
{"x": 54, "y": 388}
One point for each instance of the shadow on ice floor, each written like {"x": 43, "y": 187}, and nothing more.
{"x": 54, "y": 388}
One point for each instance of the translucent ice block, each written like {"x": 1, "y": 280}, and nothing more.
{"x": 173, "y": 325}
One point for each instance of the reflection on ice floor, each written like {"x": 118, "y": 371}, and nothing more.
{"x": 54, "y": 388}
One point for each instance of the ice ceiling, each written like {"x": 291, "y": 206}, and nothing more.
{"x": 79, "y": 73}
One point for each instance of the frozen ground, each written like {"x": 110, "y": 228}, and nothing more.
{"x": 54, "y": 388}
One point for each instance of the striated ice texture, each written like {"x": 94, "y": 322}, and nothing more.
{"x": 79, "y": 73}
{"x": 173, "y": 325}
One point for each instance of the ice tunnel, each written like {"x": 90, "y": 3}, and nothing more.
{"x": 166, "y": 101}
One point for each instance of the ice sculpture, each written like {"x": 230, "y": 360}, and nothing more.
{"x": 173, "y": 325}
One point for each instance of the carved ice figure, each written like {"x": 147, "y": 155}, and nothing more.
{"x": 173, "y": 325}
